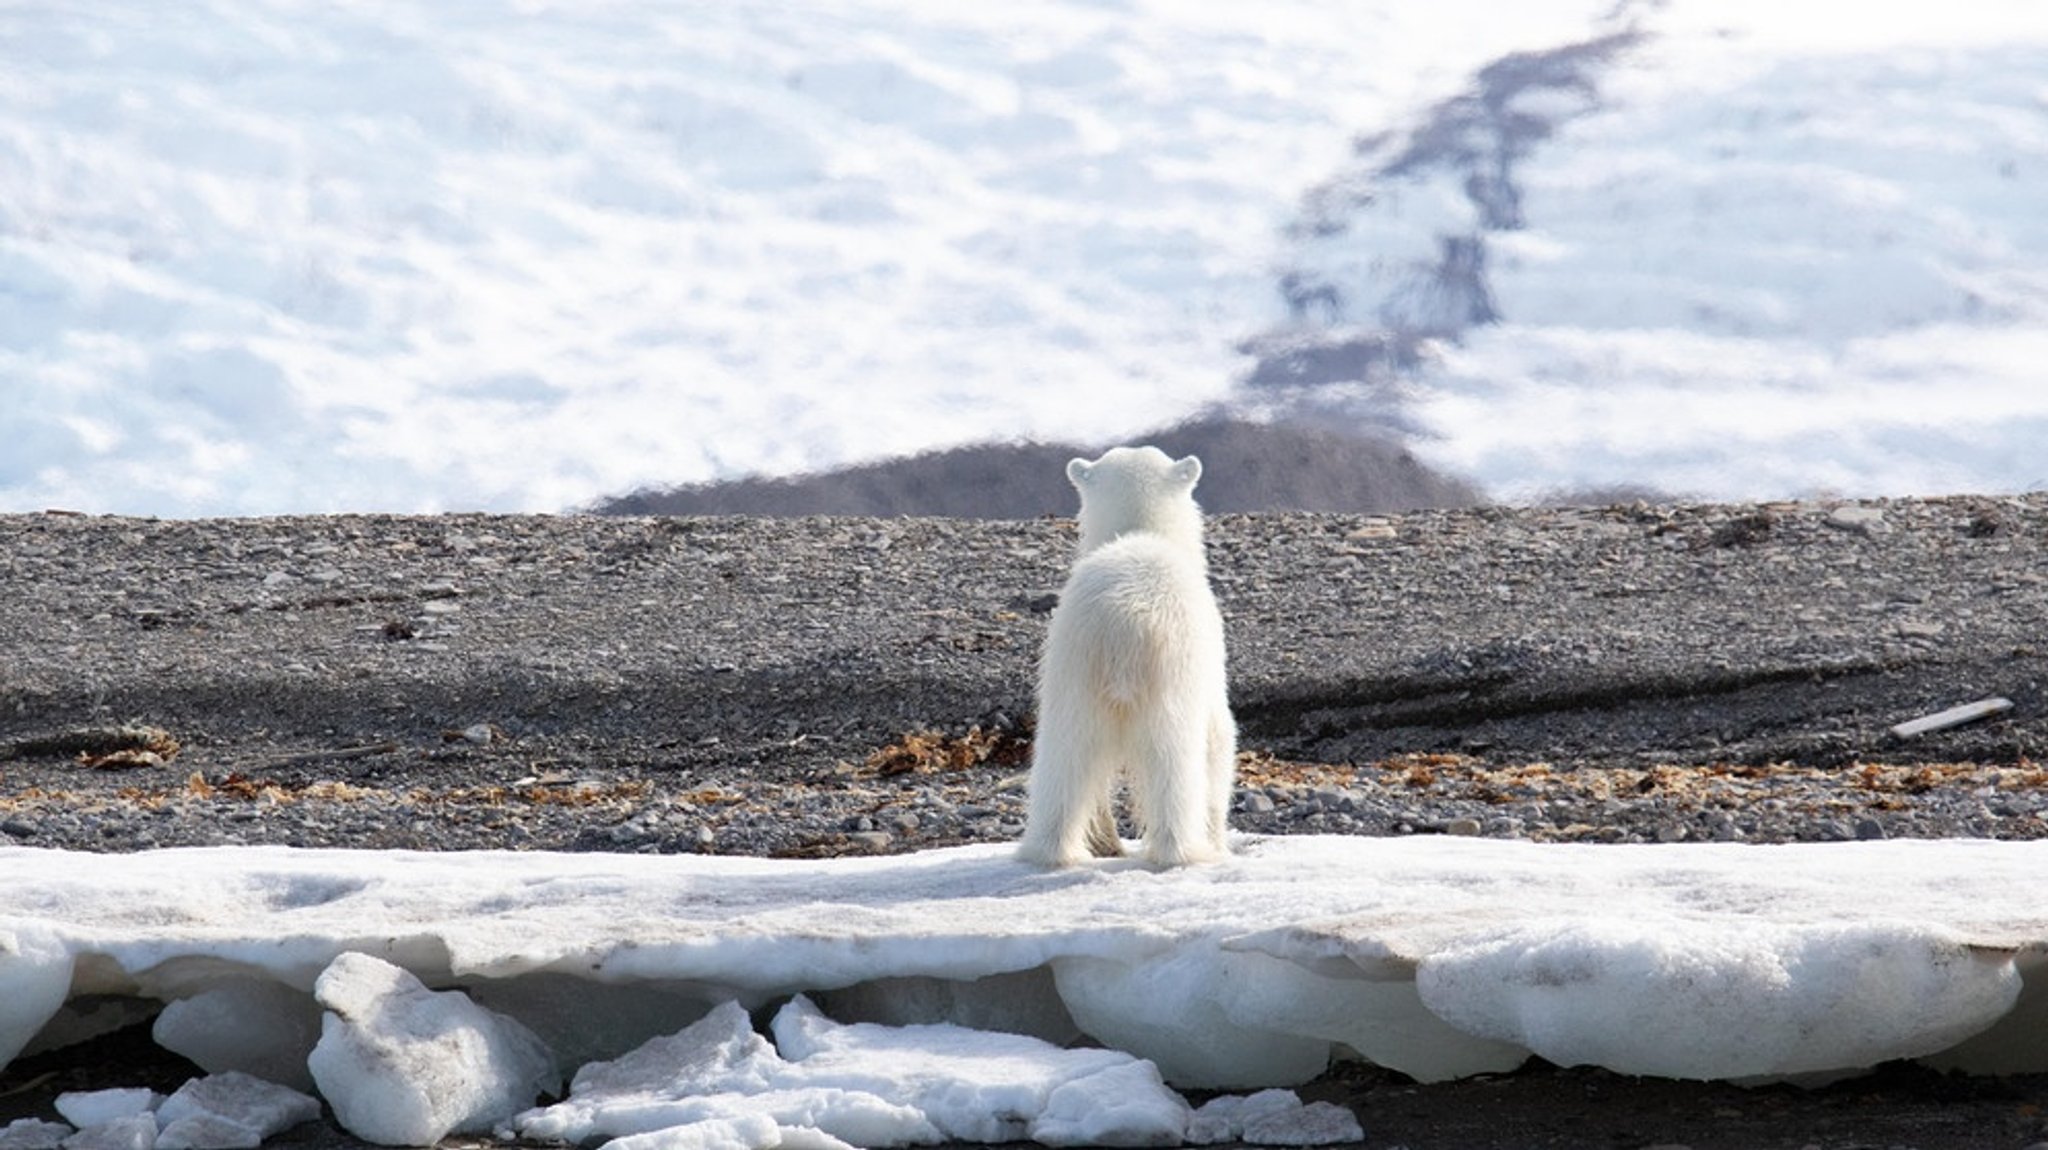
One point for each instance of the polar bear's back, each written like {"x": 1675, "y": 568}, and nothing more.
{"x": 1136, "y": 620}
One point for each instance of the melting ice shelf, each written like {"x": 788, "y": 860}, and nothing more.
{"x": 632, "y": 976}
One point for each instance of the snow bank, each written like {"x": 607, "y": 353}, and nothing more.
{"x": 1440, "y": 957}
{"x": 1436, "y": 956}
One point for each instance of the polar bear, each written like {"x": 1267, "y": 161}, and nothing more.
{"x": 1131, "y": 681}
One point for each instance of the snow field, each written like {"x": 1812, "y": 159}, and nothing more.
{"x": 258, "y": 258}
{"x": 286, "y": 257}
{"x": 938, "y": 993}
{"x": 1782, "y": 258}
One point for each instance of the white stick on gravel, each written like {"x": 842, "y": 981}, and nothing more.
{"x": 1953, "y": 717}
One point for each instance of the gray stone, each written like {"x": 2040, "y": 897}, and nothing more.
{"x": 1863, "y": 520}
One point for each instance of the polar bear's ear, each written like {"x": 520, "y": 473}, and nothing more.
{"x": 1077, "y": 471}
{"x": 1187, "y": 471}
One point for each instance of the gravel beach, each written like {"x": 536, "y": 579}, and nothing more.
{"x": 821, "y": 685}
{"x": 834, "y": 686}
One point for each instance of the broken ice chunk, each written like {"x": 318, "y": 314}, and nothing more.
{"x": 230, "y": 1111}
{"x": 718, "y": 1053}
{"x": 83, "y": 1108}
{"x": 1316, "y": 1124}
{"x": 35, "y": 979}
{"x": 983, "y": 1086}
{"x": 746, "y": 1132}
{"x": 715, "y": 1079}
{"x": 865, "y": 1084}
{"x": 1272, "y": 1118}
{"x": 1122, "y": 1105}
{"x": 406, "y": 1066}
{"x": 129, "y": 1132}
{"x": 33, "y": 1134}
{"x": 259, "y": 1026}
{"x": 1222, "y": 1118}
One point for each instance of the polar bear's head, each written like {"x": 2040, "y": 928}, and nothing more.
{"x": 1132, "y": 489}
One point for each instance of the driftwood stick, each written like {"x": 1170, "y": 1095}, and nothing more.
{"x": 338, "y": 754}
{"x": 1953, "y": 717}
{"x": 94, "y": 741}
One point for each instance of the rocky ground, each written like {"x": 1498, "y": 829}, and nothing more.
{"x": 827, "y": 686}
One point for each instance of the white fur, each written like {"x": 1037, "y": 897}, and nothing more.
{"x": 1131, "y": 682}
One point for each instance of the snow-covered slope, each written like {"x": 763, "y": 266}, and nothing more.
{"x": 1734, "y": 255}
{"x": 284, "y": 256}
{"x": 293, "y": 256}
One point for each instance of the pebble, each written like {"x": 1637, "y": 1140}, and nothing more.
{"x": 1863, "y": 520}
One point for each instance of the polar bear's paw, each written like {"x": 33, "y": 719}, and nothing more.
{"x": 1164, "y": 853}
{"x": 1051, "y": 854}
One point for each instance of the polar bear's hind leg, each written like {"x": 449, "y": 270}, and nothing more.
{"x": 1172, "y": 784}
{"x": 1222, "y": 764}
{"x": 1072, "y": 786}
